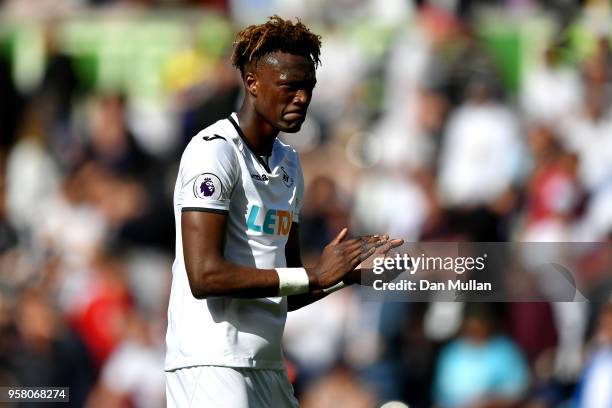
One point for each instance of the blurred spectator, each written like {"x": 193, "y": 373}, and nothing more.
{"x": 9, "y": 112}
{"x": 211, "y": 100}
{"x": 403, "y": 216}
{"x": 323, "y": 214}
{"x": 47, "y": 352}
{"x": 111, "y": 142}
{"x": 59, "y": 84}
{"x": 553, "y": 194}
{"x": 550, "y": 89}
{"x": 595, "y": 388}
{"x": 8, "y": 235}
{"x": 130, "y": 188}
{"x": 313, "y": 354}
{"x": 571, "y": 323}
{"x": 480, "y": 162}
{"x": 481, "y": 150}
{"x": 69, "y": 225}
{"x": 596, "y": 225}
{"x": 533, "y": 328}
{"x": 32, "y": 175}
{"x": 408, "y": 139}
{"x": 588, "y": 133}
{"x": 133, "y": 374}
{"x": 334, "y": 100}
{"x": 338, "y": 389}
{"x": 480, "y": 368}
{"x": 98, "y": 307}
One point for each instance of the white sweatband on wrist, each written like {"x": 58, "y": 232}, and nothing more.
{"x": 292, "y": 281}
{"x": 334, "y": 288}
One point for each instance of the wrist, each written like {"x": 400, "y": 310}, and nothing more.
{"x": 313, "y": 278}
{"x": 292, "y": 281}
{"x": 353, "y": 277}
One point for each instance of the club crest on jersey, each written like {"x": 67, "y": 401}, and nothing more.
{"x": 286, "y": 178}
{"x": 207, "y": 186}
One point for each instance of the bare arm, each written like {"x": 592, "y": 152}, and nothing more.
{"x": 210, "y": 274}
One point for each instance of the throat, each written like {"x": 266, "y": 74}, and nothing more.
{"x": 261, "y": 143}
{"x": 259, "y": 134}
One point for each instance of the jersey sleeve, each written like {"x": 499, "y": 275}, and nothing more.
{"x": 208, "y": 173}
{"x": 299, "y": 192}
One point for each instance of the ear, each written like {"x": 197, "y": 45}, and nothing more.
{"x": 251, "y": 82}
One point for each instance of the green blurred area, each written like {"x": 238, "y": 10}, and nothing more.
{"x": 151, "y": 54}
{"x": 135, "y": 55}
{"x": 506, "y": 50}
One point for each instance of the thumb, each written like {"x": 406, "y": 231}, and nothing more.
{"x": 340, "y": 236}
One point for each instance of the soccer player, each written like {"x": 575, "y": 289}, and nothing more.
{"x": 237, "y": 200}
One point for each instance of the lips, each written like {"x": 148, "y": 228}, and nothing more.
{"x": 293, "y": 116}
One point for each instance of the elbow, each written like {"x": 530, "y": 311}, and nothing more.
{"x": 198, "y": 291}
{"x": 202, "y": 282}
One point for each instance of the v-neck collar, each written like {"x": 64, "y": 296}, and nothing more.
{"x": 246, "y": 142}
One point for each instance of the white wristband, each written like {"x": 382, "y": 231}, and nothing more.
{"x": 292, "y": 281}
{"x": 334, "y": 288}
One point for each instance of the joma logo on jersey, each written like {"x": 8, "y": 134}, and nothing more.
{"x": 269, "y": 222}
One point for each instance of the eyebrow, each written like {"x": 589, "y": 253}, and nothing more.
{"x": 299, "y": 82}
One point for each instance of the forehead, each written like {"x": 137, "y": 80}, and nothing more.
{"x": 282, "y": 65}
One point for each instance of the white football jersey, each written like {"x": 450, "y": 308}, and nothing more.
{"x": 220, "y": 173}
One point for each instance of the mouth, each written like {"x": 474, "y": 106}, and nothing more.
{"x": 294, "y": 116}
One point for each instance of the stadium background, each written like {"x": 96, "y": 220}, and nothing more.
{"x": 440, "y": 120}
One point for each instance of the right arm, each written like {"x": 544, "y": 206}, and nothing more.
{"x": 210, "y": 274}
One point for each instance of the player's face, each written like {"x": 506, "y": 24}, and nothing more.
{"x": 284, "y": 89}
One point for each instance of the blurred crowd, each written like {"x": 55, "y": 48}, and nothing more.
{"x": 431, "y": 120}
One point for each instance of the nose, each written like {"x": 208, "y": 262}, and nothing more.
{"x": 302, "y": 97}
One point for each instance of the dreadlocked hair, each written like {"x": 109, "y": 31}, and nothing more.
{"x": 277, "y": 34}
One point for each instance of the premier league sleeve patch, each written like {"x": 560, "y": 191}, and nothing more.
{"x": 207, "y": 186}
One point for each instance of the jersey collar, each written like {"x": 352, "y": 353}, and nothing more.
{"x": 247, "y": 144}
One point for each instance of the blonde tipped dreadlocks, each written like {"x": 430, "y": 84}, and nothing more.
{"x": 256, "y": 41}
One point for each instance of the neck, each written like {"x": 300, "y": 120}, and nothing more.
{"x": 258, "y": 132}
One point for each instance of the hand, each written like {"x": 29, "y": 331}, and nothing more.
{"x": 382, "y": 251}
{"x": 340, "y": 258}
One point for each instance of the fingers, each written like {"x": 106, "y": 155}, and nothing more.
{"x": 340, "y": 236}
{"x": 363, "y": 243}
{"x": 365, "y": 255}
{"x": 380, "y": 239}
{"x": 389, "y": 245}
{"x": 357, "y": 250}
{"x": 376, "y": 238}
{"x": 362, "y": 251}
{"x": 358, "y": 256}
{"x": 394, "y": 243}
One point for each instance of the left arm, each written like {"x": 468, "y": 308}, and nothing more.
{"x": 294, "y": 260}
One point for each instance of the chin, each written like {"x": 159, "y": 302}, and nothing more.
{"x": 292, "y": 127}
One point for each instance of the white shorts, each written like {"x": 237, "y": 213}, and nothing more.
{"x": 228, "y": 387}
